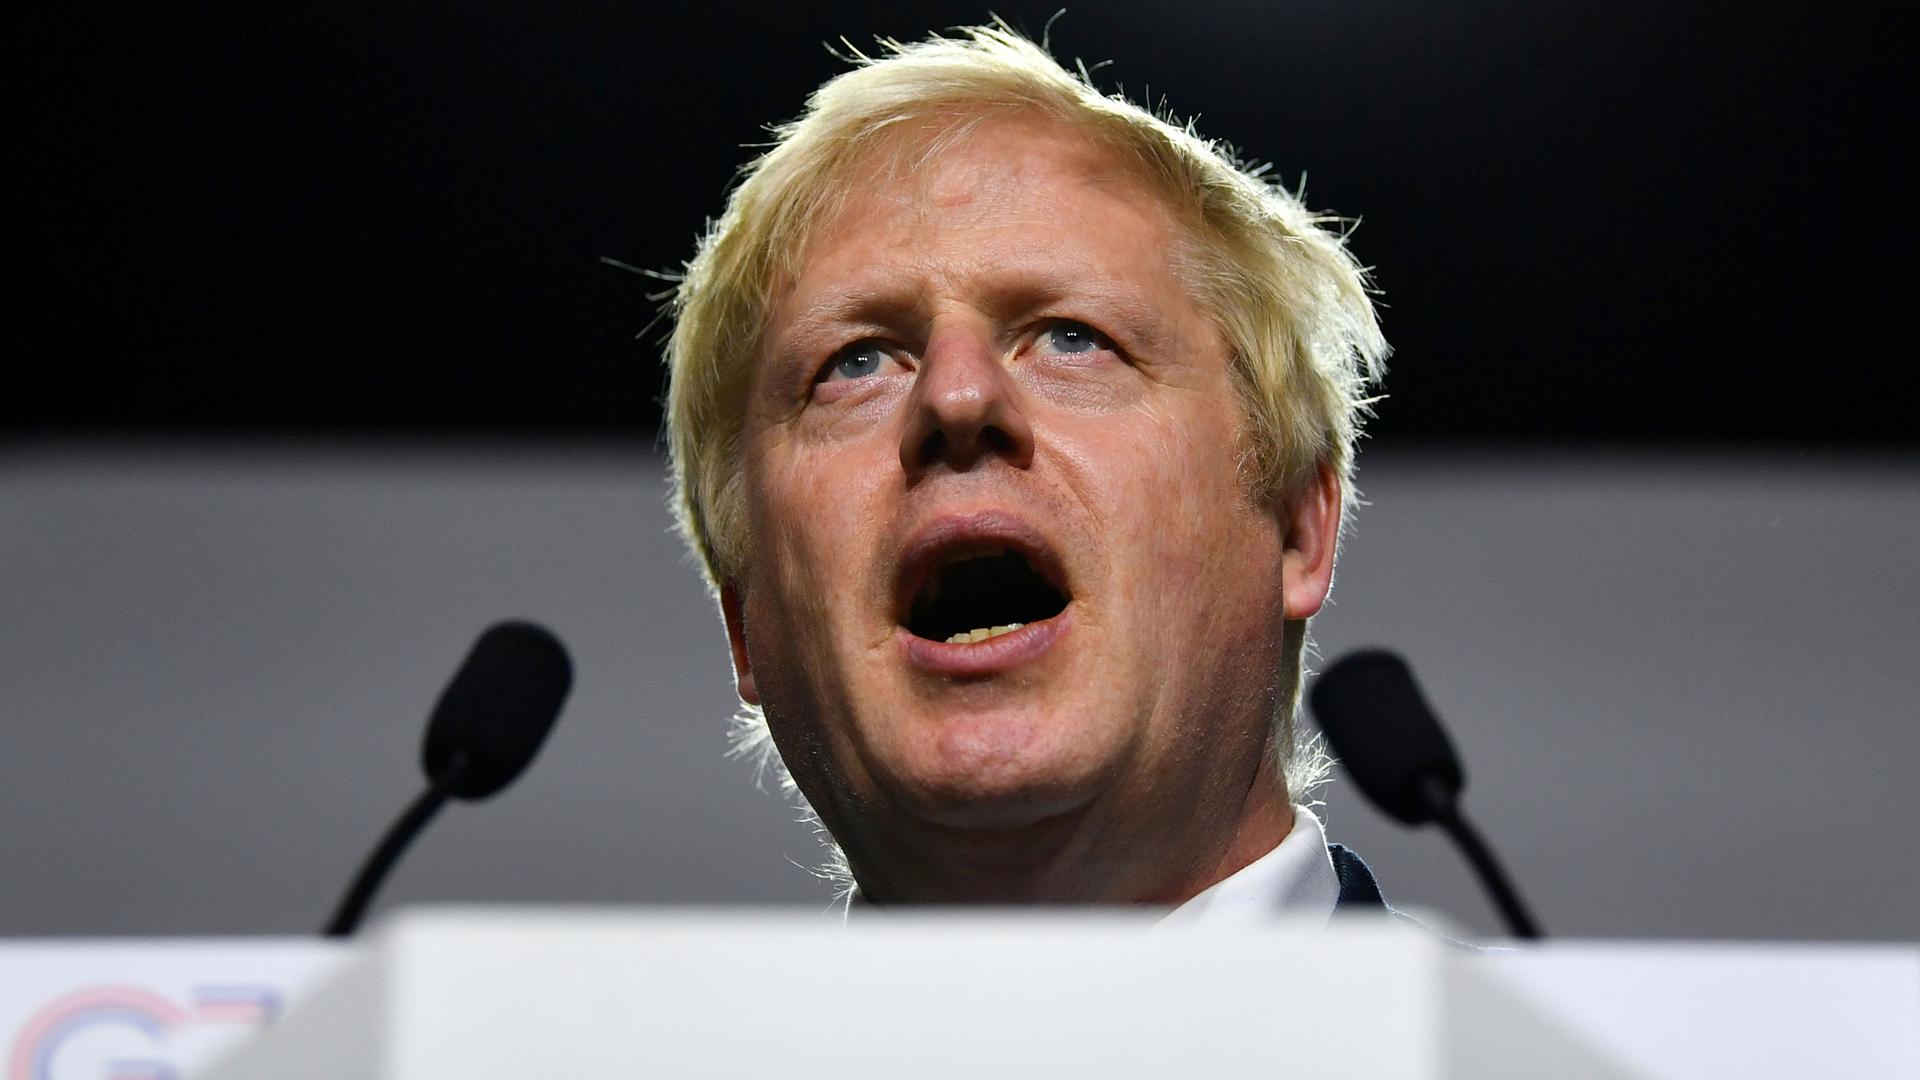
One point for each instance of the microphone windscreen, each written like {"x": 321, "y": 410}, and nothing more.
{"x": 498, "y": 708}
{"x": 1384, "y": 733}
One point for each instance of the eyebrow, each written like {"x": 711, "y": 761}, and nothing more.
{"x": 871, "y": 306}
{"x": 1028, "y": 284}
{"x": 1016, "y": 285}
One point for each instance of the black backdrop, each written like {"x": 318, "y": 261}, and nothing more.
{"x": 1667, "y": 222}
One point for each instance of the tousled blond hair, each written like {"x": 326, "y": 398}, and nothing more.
{"x": 1277, "y": 280}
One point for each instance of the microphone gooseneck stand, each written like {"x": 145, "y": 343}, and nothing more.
{"x": 485, "y": 730}
{"x": 1392, "y": 744}
{"x": 353, "y": 905}
{"x": 1444, "y": 808}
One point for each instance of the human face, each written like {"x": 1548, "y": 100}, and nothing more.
{"x": 990, "y": 352}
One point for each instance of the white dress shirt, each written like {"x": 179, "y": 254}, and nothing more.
{"x": 1295, "y": 880}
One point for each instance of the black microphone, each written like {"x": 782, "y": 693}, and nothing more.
{"x": 1391, "y": 743}
{"x": 490, "y": 721}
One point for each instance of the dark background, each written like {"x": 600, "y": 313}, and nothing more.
{"x": 1673, "y": 223}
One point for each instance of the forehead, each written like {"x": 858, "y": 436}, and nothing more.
{"x": 994, "y": 192}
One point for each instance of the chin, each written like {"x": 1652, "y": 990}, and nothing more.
{"x": 998, "y": 771}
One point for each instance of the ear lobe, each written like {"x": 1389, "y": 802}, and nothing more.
{"x": 737, "y": 638}
{"x": 1313, "y": 533}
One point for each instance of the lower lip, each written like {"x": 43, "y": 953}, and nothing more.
{"x": 979, "y": 659}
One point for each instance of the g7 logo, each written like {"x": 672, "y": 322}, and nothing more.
{"x": 90, "y": 1033}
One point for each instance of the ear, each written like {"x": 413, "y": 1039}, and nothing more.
{"x": 1313, "y": 532}
{"x": 737, "y": 638}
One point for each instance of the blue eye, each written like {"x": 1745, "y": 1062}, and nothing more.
{"x": 1069, "y": 337}
{"x": 855, "y": 362}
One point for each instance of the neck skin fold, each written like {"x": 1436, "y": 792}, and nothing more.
{"x": 1062, "y": 860}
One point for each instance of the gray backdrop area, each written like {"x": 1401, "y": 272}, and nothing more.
{"x": 1683, "y": 685}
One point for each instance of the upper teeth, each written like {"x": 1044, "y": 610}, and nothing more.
{"x": 982, "y": 634}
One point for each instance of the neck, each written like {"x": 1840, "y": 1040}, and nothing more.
{"x": 1267, "y": 821}
{"x": 1078, "y": 858}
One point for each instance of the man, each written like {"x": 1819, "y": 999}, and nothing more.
{"x": 1013, "y": 427}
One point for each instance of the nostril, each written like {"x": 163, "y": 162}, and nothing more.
{"x": 960, "y": 448}
{"x": 957, "y": 425}
{"x": 933, "y": 447}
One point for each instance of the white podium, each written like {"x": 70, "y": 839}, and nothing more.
{"x": 482, "y": 994}
{"x": 496, "y": 993}
{"x": 556, "y": 994}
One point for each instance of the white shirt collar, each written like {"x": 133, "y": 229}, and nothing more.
{"x": 1295, "y": 879}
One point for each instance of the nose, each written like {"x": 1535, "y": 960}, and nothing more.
{"x": 965, "y": 406}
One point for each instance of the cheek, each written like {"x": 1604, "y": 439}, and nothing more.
{"x": 814, "y": 524}
{"x": 1188, "y": 547}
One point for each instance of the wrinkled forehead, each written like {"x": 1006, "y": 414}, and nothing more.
{"x": 985, "y": 165}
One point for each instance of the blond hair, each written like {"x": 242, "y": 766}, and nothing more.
{"x": 1278, "y": 282}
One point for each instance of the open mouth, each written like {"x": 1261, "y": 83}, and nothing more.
{"x": 982, "y": 594}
